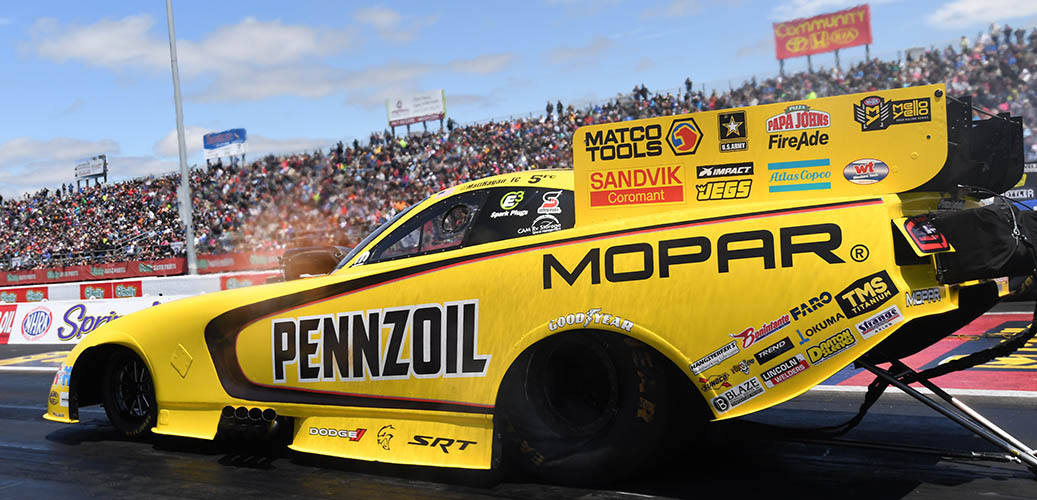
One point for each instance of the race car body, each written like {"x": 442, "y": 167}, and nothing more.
{"x": 732, "y": 258}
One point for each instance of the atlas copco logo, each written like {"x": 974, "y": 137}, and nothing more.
{"x": 684, "y": 136}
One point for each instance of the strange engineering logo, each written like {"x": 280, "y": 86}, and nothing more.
{"x": 685, "y": 136}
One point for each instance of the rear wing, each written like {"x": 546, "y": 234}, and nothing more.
{"x": 881, "y": 142}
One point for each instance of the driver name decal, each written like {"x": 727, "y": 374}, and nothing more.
{"x": 442, "y": 341}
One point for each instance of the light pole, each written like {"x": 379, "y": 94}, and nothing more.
{"x": 184, "y": 193}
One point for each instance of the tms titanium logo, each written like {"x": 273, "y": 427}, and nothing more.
{"x": 800, "y": 175}
{"x": 684, "y": 136}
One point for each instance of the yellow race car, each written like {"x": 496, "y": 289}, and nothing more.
{"x": 688, "y": 268}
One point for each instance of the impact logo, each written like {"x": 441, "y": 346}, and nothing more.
{"x": 732, "y": 131}
{"x": 866, "y": 294}
{"x": 36, "y": 323}
{"x": 875, "y": 113}
{"x": 725, "y": 170}
{"x": 684, "y": 136}
{"x": 385, "y": 434}
{"x": 866, "y": 171}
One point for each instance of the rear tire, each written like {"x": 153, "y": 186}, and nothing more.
{"x": 128, "y": 394}
{"x": 584, "y": 408}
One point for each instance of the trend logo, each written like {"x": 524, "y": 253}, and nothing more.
{"x": 685, "y": 136}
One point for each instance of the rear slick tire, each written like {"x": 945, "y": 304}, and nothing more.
{"x": 584, "y": 408}
{"x": 128, "y": 394}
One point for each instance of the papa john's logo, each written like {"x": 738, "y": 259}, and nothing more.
{"x": 684, "y": 136}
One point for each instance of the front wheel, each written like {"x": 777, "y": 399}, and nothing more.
{"x": 128, "y": 394}
{"x": 584, "y": 408}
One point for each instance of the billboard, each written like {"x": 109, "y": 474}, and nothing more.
{"x": 823, "y": 33}
{"x": 91, "y": 167}
{"x": 227, "y": 143}
{"x": 416, "y": 108}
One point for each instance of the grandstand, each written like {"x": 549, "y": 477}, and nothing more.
{"x": 337, "y": 197}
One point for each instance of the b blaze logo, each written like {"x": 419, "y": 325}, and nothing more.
{"x": 685, "y": 136}
{"x": 866, "y": 294}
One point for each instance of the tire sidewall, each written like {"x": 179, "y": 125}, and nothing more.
{"x": 127, "y": 425}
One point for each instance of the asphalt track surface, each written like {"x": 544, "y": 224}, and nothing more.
{"x": 741, "y": 458}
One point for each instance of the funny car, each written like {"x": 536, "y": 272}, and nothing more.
{"x": 688, "y": 268}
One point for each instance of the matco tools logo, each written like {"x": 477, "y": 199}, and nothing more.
{"x": 875, "y": 113}
{"x": 684, "y": 136}
{"x": 637, "y": 186}
{"x": 624, "y": 143}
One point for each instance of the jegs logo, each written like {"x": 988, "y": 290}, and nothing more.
{"x": 444, "y": 342}
{"x": 724, "y": 190}
{"x": 828, "y": 348}
{"x": 36, "y": 323}
{"x": 875, "y": 113}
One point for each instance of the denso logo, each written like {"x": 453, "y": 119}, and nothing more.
{"x": 624, "y": 143}
{"x": 798, "y": 117}
{"x": 637, "y": 186}
{"x": 675, "y": 252}
{"x": 684, "y": 136}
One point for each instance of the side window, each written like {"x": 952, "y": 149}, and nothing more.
{"x": 441, "y": 227}
{"x": 523, "y": 211}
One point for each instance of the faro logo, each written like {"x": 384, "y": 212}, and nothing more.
{"x": 685, "y": 136}
{"x": 36, "y": 323}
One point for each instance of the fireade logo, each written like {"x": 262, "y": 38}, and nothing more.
{"x": 637, "y": 186}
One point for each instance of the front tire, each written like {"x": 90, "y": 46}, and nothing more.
{"x": 584, "y": 408}
{"x": 128, "y": 394}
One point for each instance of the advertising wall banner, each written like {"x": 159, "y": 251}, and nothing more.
{"x": 230, "y": 262}
{"x": 823, "y": 33}
{"x": 91, "y": 167}
{"x": 227, "y": 143}
{"x": 243, "y": 280}
{"x": 415, "y": 108}
{"x": 110, "y": 290}
{"x": 66, "y": 321}
{"x": 27, "y": 294}
{"x": 130, "y": 269}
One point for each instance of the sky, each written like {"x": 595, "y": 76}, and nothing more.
{"x": 86, "y": 78}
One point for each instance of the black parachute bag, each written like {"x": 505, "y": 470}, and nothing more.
{"x": 989, "y": 242}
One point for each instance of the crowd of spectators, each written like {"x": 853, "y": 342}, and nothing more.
{"x": 339, "y": 196}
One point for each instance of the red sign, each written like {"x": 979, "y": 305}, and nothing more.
{"x": 823, "y": 33}
{"x": 131, "y": 269}
{"x": 89, "y": 291}
{"x": 229, "y": 262}
{"x": 28, "y": 294}
{"x": 6, "y": 321}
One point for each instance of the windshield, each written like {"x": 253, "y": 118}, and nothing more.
{"x": 374, "y": 234}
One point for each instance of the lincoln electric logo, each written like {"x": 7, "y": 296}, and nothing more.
{"x": 685, "y": 136}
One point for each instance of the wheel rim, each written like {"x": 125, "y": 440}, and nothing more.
{"x": 133, "y": 389}
{"x": 580, "y": 388}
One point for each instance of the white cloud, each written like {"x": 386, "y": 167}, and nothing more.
{"x": 251, "y": 59}
{"x": 484, "y": 64}
{"x": 258, "y": 145}
{"x": 675, "y": 8}
{"x": 23, "y": 149}
{"x": 795, "y": 9}
{"x": 645, "y": 64}
{"x": 761, "y": 46}
{"x": 389, "y": 25}
{"x": 587, "y": 54}
{"x": 962, "y": 13}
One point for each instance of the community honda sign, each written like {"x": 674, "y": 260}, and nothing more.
{"x": 416, "y": 108}
{"x": 823, "y": 33}
{"x": 227, "y": 143}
